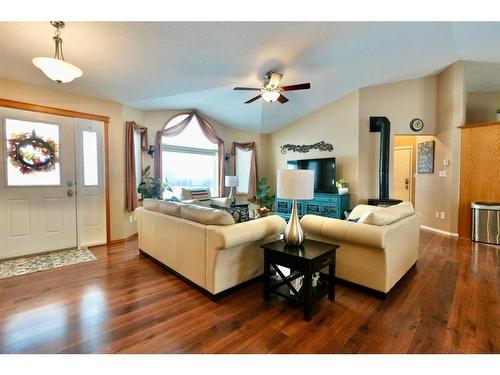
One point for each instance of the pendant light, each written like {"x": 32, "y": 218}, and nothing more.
{"x": 56, "y": 68}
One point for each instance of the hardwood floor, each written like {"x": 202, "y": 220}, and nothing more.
{"x": 125, "y": 303}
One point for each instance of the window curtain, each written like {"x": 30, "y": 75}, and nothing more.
{"x": 252, "y": 180}
{"x": 130, "y": 162}
{"x": 206, "y": 129}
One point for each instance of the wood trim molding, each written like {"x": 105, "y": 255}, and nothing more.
{"x": 114, "y": 242}
{"x": 73, "y": 114}
{"x": 466, "y": 126}
{"x": 51, "y": 110}
{"x": 435, "y": 230}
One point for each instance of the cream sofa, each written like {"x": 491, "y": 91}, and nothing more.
{"x": 375, "y": 254}
{"x": 203, "y": 245}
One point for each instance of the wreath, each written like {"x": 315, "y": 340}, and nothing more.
{"x": 31, "y": 153}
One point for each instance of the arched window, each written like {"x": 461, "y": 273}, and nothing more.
{"x": 189, "y": 159}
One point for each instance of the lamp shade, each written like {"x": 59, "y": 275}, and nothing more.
{"x": 231, "y": 180}
{"x": 295, "y": 184}
{"x": 57, "y": 70}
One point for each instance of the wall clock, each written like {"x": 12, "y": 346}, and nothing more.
{"x": 416, "y": 125}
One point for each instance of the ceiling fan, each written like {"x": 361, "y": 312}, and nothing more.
{"x": 271, "y": 91}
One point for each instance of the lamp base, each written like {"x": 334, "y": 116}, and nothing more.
{"x": 294, "y": 235}
{"x": 231, "y": 197}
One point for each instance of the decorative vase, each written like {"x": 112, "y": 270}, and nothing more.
{"x": 343, "y": 190}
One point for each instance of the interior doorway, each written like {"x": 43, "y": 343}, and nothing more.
{"x": 52, "y": 182}
{"x": 404, "y": 167}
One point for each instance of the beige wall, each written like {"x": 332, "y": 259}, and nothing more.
{"x": 482, "y": 106}
{"x": 14, "y": 90}
{"x": 400, "y": 102}
{"x": 436, "y": 193}
{"x": 156, "y": 120}
{"x": 336, "y": 123}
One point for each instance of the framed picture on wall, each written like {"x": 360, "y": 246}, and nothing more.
{"x": 425, "y": 162}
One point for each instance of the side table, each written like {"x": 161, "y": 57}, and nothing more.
{"x": 305, "y": 260}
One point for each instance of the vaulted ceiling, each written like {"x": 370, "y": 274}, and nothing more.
{"x": 183, "y": 65}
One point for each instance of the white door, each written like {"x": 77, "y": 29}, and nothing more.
{"x": 52, "y": 183}
{"x": 90, "y": 180}
{"x": 402, "y": 182}
{"x": 37, "y": 176}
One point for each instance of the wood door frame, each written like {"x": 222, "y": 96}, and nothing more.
{"x": 73, "y": 114}
{"x": 411, "y": 167}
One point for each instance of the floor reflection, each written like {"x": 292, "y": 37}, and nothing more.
{"x": 29, "y": 329}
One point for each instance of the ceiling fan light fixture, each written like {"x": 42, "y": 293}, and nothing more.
{"x": 270, "y": 96}
{"x": 55, "y": 67}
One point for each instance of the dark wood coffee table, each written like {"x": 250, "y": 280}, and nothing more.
{"x": 305, "y": 260}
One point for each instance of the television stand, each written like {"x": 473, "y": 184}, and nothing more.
{"x": 323, "y": 204}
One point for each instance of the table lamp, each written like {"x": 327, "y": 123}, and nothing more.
{"x": 295, "y": 184}
{"x": 231, "y": 182}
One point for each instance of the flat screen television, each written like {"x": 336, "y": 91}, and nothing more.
{"x": 324, "y": 173}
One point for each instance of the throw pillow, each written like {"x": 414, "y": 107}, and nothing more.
{"x": 239, "y": 214}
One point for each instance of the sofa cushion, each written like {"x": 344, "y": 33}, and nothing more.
{"x": 206, "y": 215}
{"x": 239, "y": 214}
{"x": 391, "y": 214}
{"x": 151, "y": 204}
{"x": 170, "y": 208}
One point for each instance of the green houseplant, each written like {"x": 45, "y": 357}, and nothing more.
{"x": 151, "y": 187}
{"x": 262, "y": 196}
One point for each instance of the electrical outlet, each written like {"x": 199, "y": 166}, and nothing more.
{"x": 442, "y": 173}
{"x": 131, "y": 219}
{"x": 442, "y": 215}
{"x": 437, "y": 214}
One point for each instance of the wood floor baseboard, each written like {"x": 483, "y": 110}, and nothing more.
{"x": 439, "y": 231}
{"x": 115, "y": 242}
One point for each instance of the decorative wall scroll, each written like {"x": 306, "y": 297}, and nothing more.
{"x": 30, "y": 153}
{"x": 321, "y": 146}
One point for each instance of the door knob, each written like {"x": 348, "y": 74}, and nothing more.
{"x": 69, "y": 193}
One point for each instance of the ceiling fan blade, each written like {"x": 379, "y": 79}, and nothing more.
{"x": 282, "y": 99}
{"x": 247, "y": 88}
{"x": 253, "y": 99}
{"x": 300, "y": 86}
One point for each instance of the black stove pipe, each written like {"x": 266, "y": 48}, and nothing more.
{"x": 382, "y": 125}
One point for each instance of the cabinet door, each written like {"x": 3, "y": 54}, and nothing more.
{"x": 313, "y": 208}
{"x": 329, "y": 210}
{"x": 283, "y": 206}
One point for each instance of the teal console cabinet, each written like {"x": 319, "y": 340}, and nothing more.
{"x": 328, "y": 205}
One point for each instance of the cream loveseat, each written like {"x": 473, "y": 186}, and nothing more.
{"x": 204, "y": 245}
{"x": 375, "y": 252}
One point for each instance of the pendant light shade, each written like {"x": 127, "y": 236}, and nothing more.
{"x": 57, "y": 70}
{"x": 270, "y": 96}
{"x": 55, "y": 67}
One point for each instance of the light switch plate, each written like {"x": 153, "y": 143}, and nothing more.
{"x": 446, "y": 162}
{"x": 443, "y": 215}
{"x": 442, "y": 173}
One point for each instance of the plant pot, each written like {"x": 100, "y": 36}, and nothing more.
{"x": 343, "y": 190}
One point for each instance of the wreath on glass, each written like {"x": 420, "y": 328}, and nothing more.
{"x": 31, "y": 153}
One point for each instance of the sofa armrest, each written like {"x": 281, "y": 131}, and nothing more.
{"x": 225, "y": 237}
{"x": 342, "y": 230}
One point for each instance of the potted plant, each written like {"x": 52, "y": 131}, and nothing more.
{"x": 262, "y": 198}
{"x": 151, "y": 187}
{"x": 342, "y": 186}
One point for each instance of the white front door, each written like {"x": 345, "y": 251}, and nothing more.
{"x": 402, "y": 182}
{"x": 38, "y": 206}
{"x": 90, "y": 180}
{"x": 49, "y": 200}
